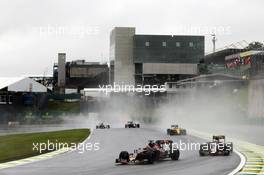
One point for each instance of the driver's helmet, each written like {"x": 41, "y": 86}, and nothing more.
{"x": 151, "y": 144}
{"x": 217, "y": 139}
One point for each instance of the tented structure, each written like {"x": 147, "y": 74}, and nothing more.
{"x": 21, "y": 84}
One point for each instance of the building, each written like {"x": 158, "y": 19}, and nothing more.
{"x": 218, "y": 58}
{"x": 78, "y": 74}
{"x": 61, "y": 69}
{"x": 249, "y": 63}
{"x": 153, "y": 59}
{"x": 251, "y": 66}
{"x": 18, "y": 94}
{"x": 205, "y": 81}
{"x": 122, "y": 67}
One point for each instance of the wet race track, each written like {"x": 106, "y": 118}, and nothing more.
{"x": 113, "y": 141}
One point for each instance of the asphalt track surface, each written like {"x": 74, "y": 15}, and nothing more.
{"x": 115, "y": 140}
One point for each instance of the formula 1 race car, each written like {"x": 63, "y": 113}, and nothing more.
{"x": 102, "y": 126}
{"x": 131, "y": 124}
{"x": 175, "y": 130}
{"x": 154, "y": 151}
{"x": 216, "y": 147}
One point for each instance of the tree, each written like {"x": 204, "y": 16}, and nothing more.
{"x": 255, "y": 45}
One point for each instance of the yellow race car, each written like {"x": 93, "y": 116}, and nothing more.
{"x": 176, "y": 130}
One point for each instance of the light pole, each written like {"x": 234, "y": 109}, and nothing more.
{"x": 214, "y": 41}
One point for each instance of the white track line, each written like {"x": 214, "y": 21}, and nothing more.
{"x": 242, "y": 157}
{"x": 241, "y": 165}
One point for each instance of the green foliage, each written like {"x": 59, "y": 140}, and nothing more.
{"x": 255, "y": 45}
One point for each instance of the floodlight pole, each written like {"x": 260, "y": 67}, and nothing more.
{"x": 214, "y": 41}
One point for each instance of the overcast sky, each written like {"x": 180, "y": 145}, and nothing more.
{"x": 32, "y": 32}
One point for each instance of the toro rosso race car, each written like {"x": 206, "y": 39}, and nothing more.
{"x": 154, "y": 151}
{"x": 131, "y": 124}
{"x": 216, "y": 147}
{"x": 175, "y": 130}
{"x": 102, "y": 126}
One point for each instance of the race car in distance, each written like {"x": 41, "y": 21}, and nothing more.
{"x": 102, "y": 126}
{"x": 154, "y": 151}
{"x": 131, "y": 124}
{"x": 218, "y": 146}
{"x": 175, "y": 130}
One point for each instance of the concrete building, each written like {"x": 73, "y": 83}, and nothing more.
{"x": 61, "y": 69}
{"x": 121, "y": 55}
{"x": 153, "y": 59}
{"x": 78, "y": 74}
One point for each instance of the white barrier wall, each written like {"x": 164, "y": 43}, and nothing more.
{"x": 256, "y": 99}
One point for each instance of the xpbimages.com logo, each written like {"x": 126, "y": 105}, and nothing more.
{"x": 213, "y": 147}
{"x": 52, "y": 146}
{"x": 146, "y": 89}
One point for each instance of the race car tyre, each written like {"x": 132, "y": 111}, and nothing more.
{"x": 168, "y": 131}
{"x": 183, "y": 132}
{"x": 138, "y": 126}
{"x": 124, "y": 155}
{"x": 201, "y": 153}
{"x": 156, "y": 154}
{"x": 232, "y": 147}
{"x": 175, "y": 155}
{"x": 226, "y": 153}
{"x": 151, "y": 158}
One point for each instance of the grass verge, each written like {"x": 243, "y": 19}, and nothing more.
{"x": 19, "y": 146}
